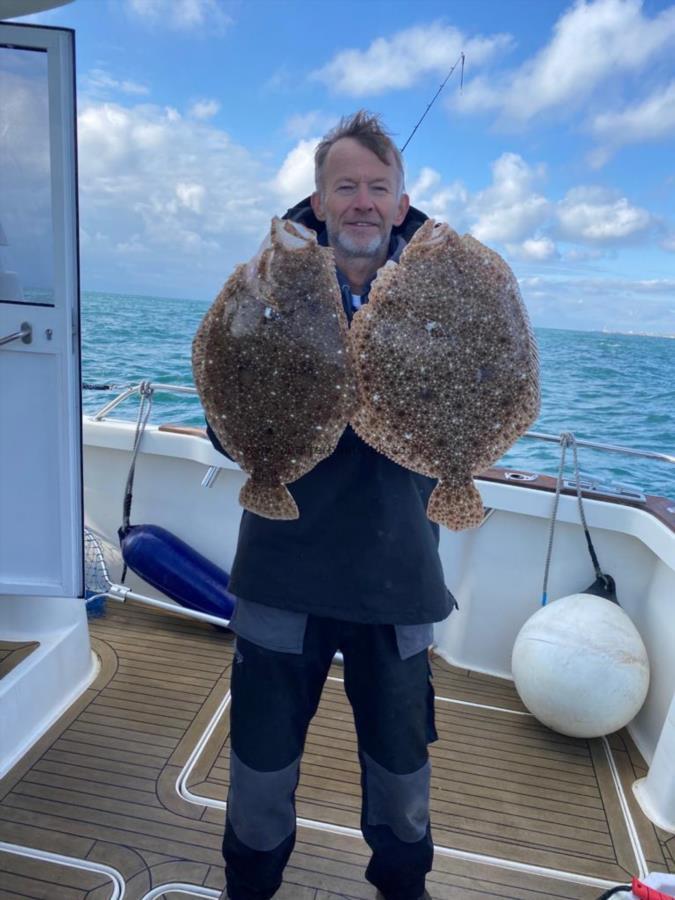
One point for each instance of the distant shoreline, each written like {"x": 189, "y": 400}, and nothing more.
{"x": 632, "y": 333}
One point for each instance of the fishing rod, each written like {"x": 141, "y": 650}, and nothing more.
{"x": 461, "y": 85}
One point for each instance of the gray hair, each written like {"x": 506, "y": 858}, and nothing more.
{"x": 367, "y": 129}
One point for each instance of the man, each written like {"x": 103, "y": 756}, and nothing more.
{"x": 359, "y": 572}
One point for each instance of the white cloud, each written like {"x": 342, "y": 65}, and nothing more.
{"x": 598, "y": 157}
{"x": 603, "y": 304}
{"x": 592, "y": 42}
{"x": 602, "y": 286}
{"x": 401, "y": 60}
{"x": 191, "y": 196}
{"x": 650, "y": 119}
{"x": 445, "y": 202}
{"x": 655, "y": 286}
{"x": 597, "y": 214}
{"x": 583, "y": 254}
{"x": 427, "y": 180}
{"x": 281, "y": 81}
{"x": 295, "y": 178}
{"x": 204, "y": 109}
{"x": 173, "y": 199}
{"x": 513, "y": 214}
{"x": 181, "y": 15}
{"x": 510, "y": 210}
{"x": 133, "y": 246}
{"x": 538, "y": 249}
{"x": 99, "y": 82}
{"x": 302, "y": 125}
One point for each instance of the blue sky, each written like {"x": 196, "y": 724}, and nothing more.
{"x": 197, "y": 120}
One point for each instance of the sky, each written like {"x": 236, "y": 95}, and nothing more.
{"x": 197, "y": 121}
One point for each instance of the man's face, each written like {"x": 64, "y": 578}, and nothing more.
{"x": 359, "y": 200}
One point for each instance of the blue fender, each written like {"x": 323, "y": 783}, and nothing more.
{"x": 176, "y": 569}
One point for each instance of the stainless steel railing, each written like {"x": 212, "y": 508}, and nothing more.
{"x": 129, "y": 390}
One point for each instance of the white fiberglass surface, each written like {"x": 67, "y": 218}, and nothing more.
{"x": 42, "y": 687}
{"x": 40, "y": 434}
{"x": 496, "y": 571}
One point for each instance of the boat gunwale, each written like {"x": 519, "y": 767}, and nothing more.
{"x": 177, "y": 437}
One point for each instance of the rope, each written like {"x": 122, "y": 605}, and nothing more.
{"x": 582, "y": 515}
{"x": 567, "y": 439}
{"x": 145, "y": 408}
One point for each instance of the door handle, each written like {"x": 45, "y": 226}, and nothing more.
{"x": 25, "y": 335}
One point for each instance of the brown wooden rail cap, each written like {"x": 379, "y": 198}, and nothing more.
{"x": 660, "y": 507}
{"x": 184, "y": 429}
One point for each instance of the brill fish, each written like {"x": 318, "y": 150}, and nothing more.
{"x": 447, "y": 366}
{"x": 272, "y": 366}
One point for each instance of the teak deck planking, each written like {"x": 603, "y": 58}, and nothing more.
{"x": 100, "y": 786}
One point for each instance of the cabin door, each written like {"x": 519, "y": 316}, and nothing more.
{"x": 40, "y": 407}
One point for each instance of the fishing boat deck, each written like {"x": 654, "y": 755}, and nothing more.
{"x": 13, "y": 652}
{"x": 126, "y": 792}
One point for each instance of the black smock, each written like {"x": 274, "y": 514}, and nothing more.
{"x": 363, "y": 549}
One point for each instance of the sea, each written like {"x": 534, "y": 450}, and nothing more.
{"x": 611, "y": 388}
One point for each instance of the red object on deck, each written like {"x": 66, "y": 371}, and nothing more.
{"x": 646, "y": 893}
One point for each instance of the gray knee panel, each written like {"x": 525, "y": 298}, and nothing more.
{"x": 260, "y": 804}
{"x": 399, "y": 801}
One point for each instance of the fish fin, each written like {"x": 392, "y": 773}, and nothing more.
{"x": 273, "y": 501}
{"x": 457, "y": 506}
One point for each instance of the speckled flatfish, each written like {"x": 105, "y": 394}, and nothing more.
{"x": 272, "y": 366}
{"x": 447, "y": 366}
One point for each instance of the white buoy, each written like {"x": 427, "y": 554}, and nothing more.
{"x": 580, "y": 666}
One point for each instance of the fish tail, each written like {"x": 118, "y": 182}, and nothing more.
{"x": 273, "y": 501}
{"x": 457, "y": 506}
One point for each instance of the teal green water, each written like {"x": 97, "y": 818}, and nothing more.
{"x": 612, "y": 388}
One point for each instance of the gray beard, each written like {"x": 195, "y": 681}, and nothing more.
{"x": 356, "y": 251}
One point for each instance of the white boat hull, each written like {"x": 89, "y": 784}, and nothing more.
{"x": 495, "y": 571}
{"x": 35, "y": 693}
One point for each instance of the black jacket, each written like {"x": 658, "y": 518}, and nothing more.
{"x": 363, "y": 548}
